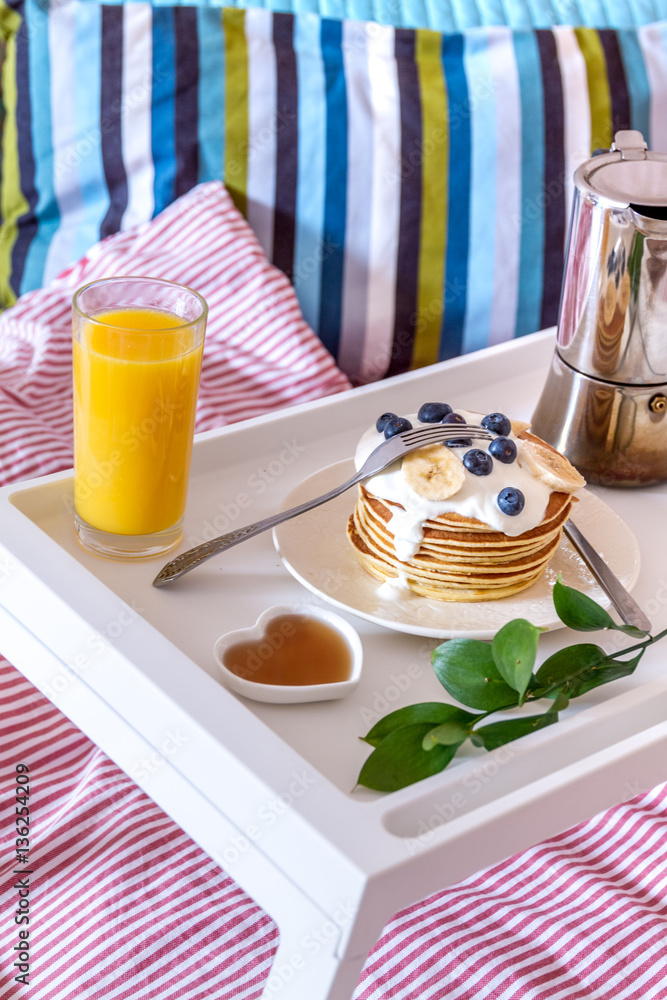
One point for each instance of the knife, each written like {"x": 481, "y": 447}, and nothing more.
{"x": 627, "y": 607}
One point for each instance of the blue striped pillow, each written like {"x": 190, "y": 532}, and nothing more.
{"x": 414, "y": 185}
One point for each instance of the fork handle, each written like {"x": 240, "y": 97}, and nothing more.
{"x": 186, "y": 561}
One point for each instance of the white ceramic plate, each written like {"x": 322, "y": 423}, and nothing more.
{"x": 315, "y": 550}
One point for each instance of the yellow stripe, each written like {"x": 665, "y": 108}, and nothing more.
{"x": 598, "y": 87}
{"x": 12, "y": 202}
{"x": 434, "y": 168}
{"x": 236, "y": 106}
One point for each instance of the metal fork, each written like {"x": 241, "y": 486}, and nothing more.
{"x": 386, "y": 453}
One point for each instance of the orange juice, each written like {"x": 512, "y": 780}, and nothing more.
{"x": 136, "y": 374}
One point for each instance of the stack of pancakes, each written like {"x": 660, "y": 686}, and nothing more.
{"x": 459, "y": 559}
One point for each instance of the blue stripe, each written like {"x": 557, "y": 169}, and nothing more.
{"x": 458, "y": 198}
{"x": 46, "y": 211}
{"x": 211, "y": 94}
{"x": 336, "y": 185}
{"x": 309, "y": 250}
{"x": 483, "y": 139}
{"x": 637, "y": 81}
{"x": 90, "y": 169}
{"x": 531, "y": 222}
{"x": 162, "y": 111}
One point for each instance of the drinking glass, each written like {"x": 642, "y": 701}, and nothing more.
{"x": 137, "y": 353}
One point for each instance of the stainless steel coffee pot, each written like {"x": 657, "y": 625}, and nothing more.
{"x": 604, "y": 403}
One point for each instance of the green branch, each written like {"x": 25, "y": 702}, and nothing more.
{"x": 420, "y": 740}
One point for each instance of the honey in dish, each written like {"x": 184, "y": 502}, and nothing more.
{"x": 294, "y": 649}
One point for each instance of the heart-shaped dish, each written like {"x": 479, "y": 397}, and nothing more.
{"x": 288, "y": 693}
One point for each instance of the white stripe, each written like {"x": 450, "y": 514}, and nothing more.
{"x": 507, "y": 96}
{"x": 136, "y": 113}
{"x": 385, "y": 204}
{"x": 483, "y": 143}
{"x": 652, "y": 45}
{"x": 360, "y": 155}
{"x": 261, "y": 182}
{"x": 61, "y": 28}
{"x": 576, "y": 110}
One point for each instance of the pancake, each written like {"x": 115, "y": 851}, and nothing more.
{"x": 430, "y": 527}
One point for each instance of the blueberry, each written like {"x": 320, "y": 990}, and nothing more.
{"x": 456, "y": 418}
{"x": 453, "y": 418}
{"x": 396, "y": 425}
{"x": 511, "y": 501}
{"x": 478, "y": 462}
{"x": 497, "y": 423}
{"x": 503, "y": 449}
{"x": 432, "y": 413}
{"x": 381, "y": 421}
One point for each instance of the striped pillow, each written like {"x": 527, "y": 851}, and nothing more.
{"x": 415, "y": 186}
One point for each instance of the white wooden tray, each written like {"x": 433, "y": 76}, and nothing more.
{"x": 268, "y": 790}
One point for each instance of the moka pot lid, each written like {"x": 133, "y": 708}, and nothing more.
{"x": 629, "y": 175}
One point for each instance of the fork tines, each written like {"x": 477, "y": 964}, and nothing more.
{"x": 444, "y": 432}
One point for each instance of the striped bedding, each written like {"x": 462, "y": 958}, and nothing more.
{"x": 123, "y": 905}
{"x": 414, "y": 185}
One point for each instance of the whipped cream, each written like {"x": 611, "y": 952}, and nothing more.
{"x": 478, "y": 497}
{"x": 396, "y": 588}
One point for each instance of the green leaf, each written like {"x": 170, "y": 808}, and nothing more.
{"x": 579, "y": 611}
{"x": 498, "y": 733}
{"x": 566, "y": 664}
{"x": 446, "y": 735}
{"x": 561, "y": 701}
{"x": 466, "y": 669}
{"x": 610, "y": 670}
{"x": 433, "y": 712}
{"x": 577, "y": 669}
{"x": 400, "y": 760}
{"x": 514, "y": 649}
{"x": 631, "y": 630}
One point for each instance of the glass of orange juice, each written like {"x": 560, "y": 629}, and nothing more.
{"x": 137, "y": 353}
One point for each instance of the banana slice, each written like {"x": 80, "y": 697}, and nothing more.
{"x": 549, "y": 466}
{"x": 519, "y": 426}
{"x": 433, "y": 472}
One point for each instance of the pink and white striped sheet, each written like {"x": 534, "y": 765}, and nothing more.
{"x": 123, "y": 904}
